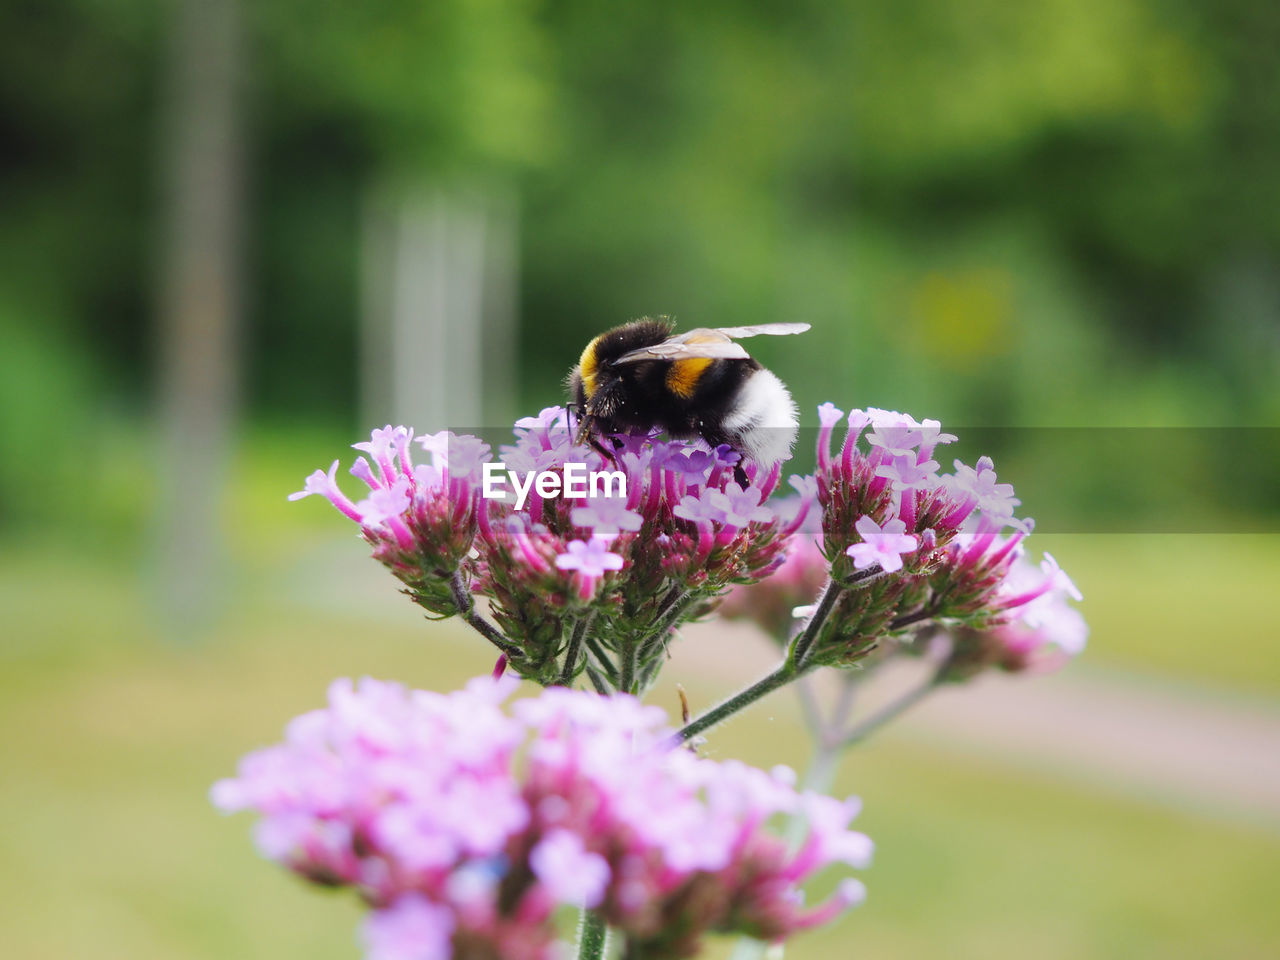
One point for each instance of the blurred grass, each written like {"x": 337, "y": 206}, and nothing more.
{"x": 110, "y": 848}
{"x": 1191, "y": 607}
{"x": 973, "y": 861}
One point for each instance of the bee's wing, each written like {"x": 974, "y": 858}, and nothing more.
{"x": 708, "y": 343}
{"x": 677, "y": 348}
{"x": 773, "y": 329}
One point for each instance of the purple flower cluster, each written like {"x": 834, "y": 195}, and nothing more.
{"x": 635, "y": 564}
{"x": 598, "y": 584}
{"x": 883, "y": 491}
{"x": 1038, "y": 630}
{"x": 465, "y": 826}
{"x": 679, "y": 495}
{"x": 420, "y": 518}
{"x": 910, "y": 544}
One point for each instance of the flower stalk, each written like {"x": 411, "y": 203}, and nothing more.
{"x": 573, "y": 653}
{"x": 467, "y": 610}
{"x": 571, "y": 785}
{"x": 798, "y": 654}
{"x": 783, "y": 674}
{"x": 890, "y": 711}
{"x": 593, "y": 935}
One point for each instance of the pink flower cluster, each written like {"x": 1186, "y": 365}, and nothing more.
{"x": 465, "y": 826}
{"x": 1039, "y": 632}
{"x": 910, "y": 544}
{"x": 879, "y": 499}
{"x": 683, "y": 512}
{"x": 420, "y": 518}
{"x": 598, "y": 584}
{"x": 635, "y": 565}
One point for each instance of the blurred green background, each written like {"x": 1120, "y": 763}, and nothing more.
{"x": 220, "y": 218}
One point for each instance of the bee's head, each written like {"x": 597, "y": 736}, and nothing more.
{"x": 594, "y": 383}
{"x": 586, "y": 375}
{"x": 596, "y": 376}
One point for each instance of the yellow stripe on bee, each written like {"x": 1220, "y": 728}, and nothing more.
{"x": 682, "y": 378}
{"x": 588, "y": 366}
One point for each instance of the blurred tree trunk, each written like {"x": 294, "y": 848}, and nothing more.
{"x": 438, "y": 324}
{"x": 199, "y": 301}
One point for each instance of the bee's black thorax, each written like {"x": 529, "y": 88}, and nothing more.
{"x": 684, "y": 398}
{"x": 629, "y": 336}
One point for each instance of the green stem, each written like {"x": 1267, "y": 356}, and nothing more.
{"x": 467, "y": 610}
{"x": 809, "y": 710}
{"x": 592, "y": 935}
{"x": 800, "y": 647}
{"x": 849, "y": 682}
{"x": 627, "y": 668}
{"x": 655, "y": 642}
{"x": 598, "y": 681}
{"x": 890, "y": 711}
{"x": 821, "y": 774}
{"x": 671, "y": 610}
{"x": 605, "y": 664}
{"x": 927, "y": 612}
{"x": 780, "y": 677}
{"x": 648, "y": 674}
{"x": 793, "y": 667}
{"x": 650, "y": 649}
{"x": 575, "y": 648}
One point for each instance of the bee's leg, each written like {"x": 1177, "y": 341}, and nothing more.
{"x": 593, "y": 440}
{"x": 585, "y": 434}
{"x": 717, "y": 438}
{"x": 609, "y": 453}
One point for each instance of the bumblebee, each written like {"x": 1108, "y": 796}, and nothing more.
{"x": 695, "y": 384}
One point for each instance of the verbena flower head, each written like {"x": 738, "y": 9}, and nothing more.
{"x": 634, "y": 563}
{"x": 420, "y": 518}
{"x": 684, "y": 531}
{"x": 1038, "y": 630}
{"x": 599, "y": 581}
{"x": 909, "y": 544}
{"x": 466, "y": 825}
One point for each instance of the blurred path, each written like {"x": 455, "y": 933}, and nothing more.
{"x": 1170, "y": 744}
{"x": 1180, "y": 747}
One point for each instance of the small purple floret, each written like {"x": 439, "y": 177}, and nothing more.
{"x": 882, "y": 544}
